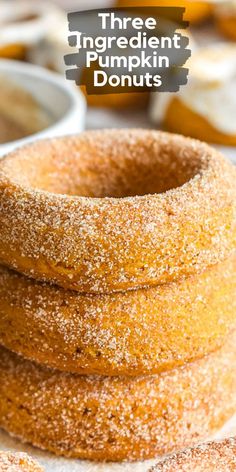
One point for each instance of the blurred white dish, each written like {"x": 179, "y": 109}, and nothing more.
{"x": 64, "y": 103}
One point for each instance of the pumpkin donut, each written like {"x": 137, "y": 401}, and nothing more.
{"x": 132, "y": 333}
{"x": 206, "y": 106}
{"x": 195, "y": 11}
{"x": 18, "y": 462}
{"x": 14, "y": 51}
{"x": 214, "y": 456}
{"x": 194, "y": 125}
{"x": 117, "y": 418}
{"x": 114, "y": 210}
{"x": 23, "y": 25}
{"x": 225, "y": 15}
{"x": 118, "y": 101}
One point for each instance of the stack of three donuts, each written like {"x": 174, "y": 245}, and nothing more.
{"x": 120, "y": 302}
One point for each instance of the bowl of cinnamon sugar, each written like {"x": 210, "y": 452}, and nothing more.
{"x": 36, "y": 103}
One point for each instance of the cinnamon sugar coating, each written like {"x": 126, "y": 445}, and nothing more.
{"x": 133, "y": 333}
{"x": 117, "y": 418}
{"x": 114, "y": 210}
{"x": 214, "y": 456}
{"x": 17, "y": 462}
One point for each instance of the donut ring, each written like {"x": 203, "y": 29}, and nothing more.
{"x": 18, "y": 462}
{"x": 226, "y": 25}
{"x": 94, "y": 244}
{"x": 14, "y": 51}
{"x": 117, "y": 418}
{"x": 132, "y": 333}
{"x": 192, "y": 124}
{"x": 214, "y": 456}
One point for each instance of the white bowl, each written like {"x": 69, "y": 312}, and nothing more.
{"x": 60, "y": 98}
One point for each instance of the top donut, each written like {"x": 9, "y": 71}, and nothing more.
{"x": 115, "y": 210}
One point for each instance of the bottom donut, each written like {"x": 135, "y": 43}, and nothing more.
{"x": 117, "y": 418}
{"x": 18, "y": 462}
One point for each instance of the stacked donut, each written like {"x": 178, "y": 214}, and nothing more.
{"x": 118, "y": 293}
{"x": 18, "y": 462}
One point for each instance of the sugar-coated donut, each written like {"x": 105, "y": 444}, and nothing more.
{"x": 179, "y": 117}
{"x": 132, "y": 333}
{"x": 227, "y": 26}
{"x": 118, "y": 100}
{"x": 195, "y": 11}
{"x": 116, "y": 209}
{"x": 205, "y": 107}
{"x": 214, "y": 456}
{"x": 117, "y": 418}
{"x": 225, "y": 17}
{"x": 13, "y": 51}
{"x": 18, "y": 462}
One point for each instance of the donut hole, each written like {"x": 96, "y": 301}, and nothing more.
{"x": 108, "y": 164}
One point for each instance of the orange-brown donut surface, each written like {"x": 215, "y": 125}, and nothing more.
{"x": 17, "y": 462}
{"x": 13, "y": 51}
{"x": 117, "y": 418}
{"x": 225, "y": 18}
{"x": 137, "y": 332}
{"x": 227, "y": 25}
{"x": 113, "y": 210}
{"x": 195, "y": 11}
{"x": 214, "y": 456}
{"x": 180, "y": 118}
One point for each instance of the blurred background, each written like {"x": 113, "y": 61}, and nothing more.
{"x": 36, "y": 102}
